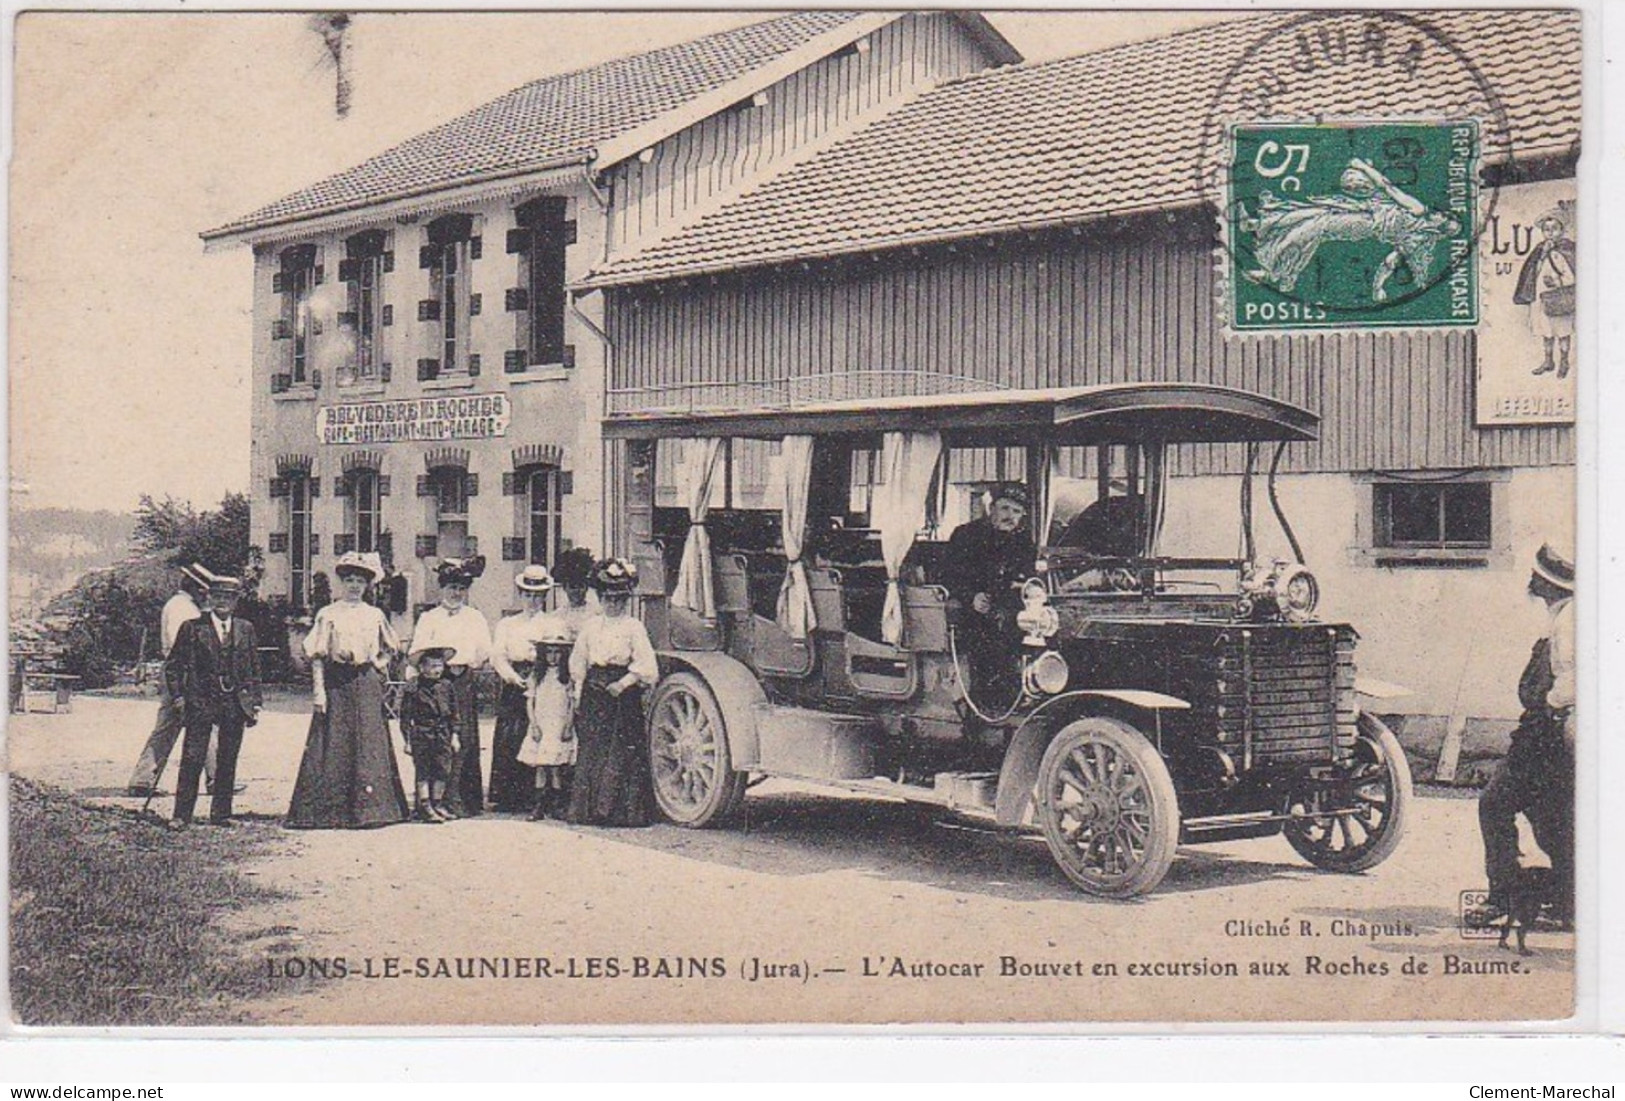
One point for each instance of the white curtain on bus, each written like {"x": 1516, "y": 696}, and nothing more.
{"x": 907, "y": 461}
{"x": 697, "y": 472}
{"x": 795, "y": 472}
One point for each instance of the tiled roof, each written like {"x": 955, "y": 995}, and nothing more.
{"x": 1119, "y": 131}
{"x": 551, "y": 120}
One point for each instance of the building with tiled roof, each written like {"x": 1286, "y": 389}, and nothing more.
{"x": 424, "y": 385}
{"x": 1113, "y": 133}
{"x": 1063, "y": 225}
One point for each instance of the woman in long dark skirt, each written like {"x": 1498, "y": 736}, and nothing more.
{"x": 348, "y": 778}
{"x": 612, "y": 663}
{"x": 453, "y": 623}
{"x": 513, "y": 650}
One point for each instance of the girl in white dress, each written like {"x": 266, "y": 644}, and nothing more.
{"x": 550, "y": 747}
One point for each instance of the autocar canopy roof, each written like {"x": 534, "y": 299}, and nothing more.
{"x": 1075, "y": 416}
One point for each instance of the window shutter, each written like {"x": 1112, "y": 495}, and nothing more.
{"x": 513, "y": 548}
{"x": 567, "y": 482}
{"x": 428, "y": 369}
{"x": 471, "y": 485}
{"x": 279, "y": 487}
{"x": 518, "y": 241}
{"x": 315, "y": 545}
{"x": 515, "y": 299}
{"x": 341, "y": 486}
{"x": 386, "y": 545}
{"x": 510, "y": 483}
{"x": 474, "y": 365}
{"x": 315, "y": 378}
{"x": 343, "y": 544}
{"x": 279, "y": 542}
{"x": 389, "y": 260}
{"x": 281, "y": 383}
{"x": 349, "y": 271}
{"x": 281, "y": 330}
{"x": 389, "y": 315}
{"x": 385, "y": 372}
{"x": 568, "y": 233}
{"x": 383, "y": 485}
{"x": 474, "y": 305}
{"x": 429, "y": 310}
{"x": 426, "y": 256}
{"x": 426, "y": 545}
{"x": 315, "y": 486}
{"x": 513, "y": 361}
{"x": 568, "y": 355}
{"x": 425, "y": 486}
{"x": 278, "y": 284}
{"x": 318, "y": 276}
{"x": 476, "y": 247}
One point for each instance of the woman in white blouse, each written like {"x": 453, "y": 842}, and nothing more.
{"x": 454, "y": 624}
{"x": 348, "y": 777}
{"x": 611, "y": 664}
{"x": 513, "y": 649}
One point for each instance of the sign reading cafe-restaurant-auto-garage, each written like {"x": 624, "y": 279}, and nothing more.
{"x": 459, "y": 417}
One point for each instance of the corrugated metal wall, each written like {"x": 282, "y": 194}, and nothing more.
{"x": 714, "y": 157}
{"x": 1058, "y": 311}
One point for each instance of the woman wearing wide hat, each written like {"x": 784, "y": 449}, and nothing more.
{"x": 513, "y": 785}
{"x": 455, "y": 624}
{"x": 348, "y": 778}
{"x": 611, "y": 664}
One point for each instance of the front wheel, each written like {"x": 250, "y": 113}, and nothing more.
{"x": 1108, "y": 808}
{"x": 695, "y": 784}
{"x": 1355, "y": 821}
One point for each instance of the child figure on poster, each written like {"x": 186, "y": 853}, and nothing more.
{"x": 428, "y": 719}
{"x": 1546, "y": 285}
{"x": 550, "y": 747}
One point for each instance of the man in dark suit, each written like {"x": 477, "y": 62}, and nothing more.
{"x": 213, "y": 670}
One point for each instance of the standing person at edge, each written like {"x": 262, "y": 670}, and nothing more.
{"x": 988, "y": 560}
{"x": 513, "y": 783}
{"x": 214, "y": 669}
{"x": 466, "y": 632}
{"x": 180, "y": 609}
{"x": 348, "y": 778}
{"x": 611, "y": 664}
{"x": 1537, "y": 777}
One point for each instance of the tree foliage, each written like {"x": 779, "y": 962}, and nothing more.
{"x": 110, "y": 616}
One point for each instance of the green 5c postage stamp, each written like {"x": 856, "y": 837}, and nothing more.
{"x": 1351, "y": 225}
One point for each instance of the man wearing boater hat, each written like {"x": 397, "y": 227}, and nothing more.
{"x": 988, "y": 560}
{"x": 214, "y": 667}
{"x": 1537, "y": 778}
{"x": 180, "y": 609}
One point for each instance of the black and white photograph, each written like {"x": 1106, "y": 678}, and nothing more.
{"x": 607, "y": 519}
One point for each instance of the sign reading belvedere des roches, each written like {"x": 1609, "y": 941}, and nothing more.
{"x": 463, "y": 417}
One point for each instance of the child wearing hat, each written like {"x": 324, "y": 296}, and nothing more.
{"x": 428, "y": 715}
{"x": 550, "y": 746}
{"x": 512, "y": 651}
{"x": 611, "y": 664}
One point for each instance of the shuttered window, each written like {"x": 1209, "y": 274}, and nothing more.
{"x": 297, "y": 281}
{"x": 298, "y": 529}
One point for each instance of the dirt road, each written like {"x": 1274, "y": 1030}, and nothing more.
{"x": 820, "y": 908}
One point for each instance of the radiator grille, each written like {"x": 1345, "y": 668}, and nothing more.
{"x": 1286, "y": 694}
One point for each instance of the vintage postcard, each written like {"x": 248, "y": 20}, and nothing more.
{"x": 672, "y": 519}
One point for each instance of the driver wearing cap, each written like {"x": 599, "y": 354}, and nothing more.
{"x": 988, "y": 559}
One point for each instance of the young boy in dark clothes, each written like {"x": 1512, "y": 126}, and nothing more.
{"x": 427, "y": 721}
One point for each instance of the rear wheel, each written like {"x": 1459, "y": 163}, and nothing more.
{"x": 694, "y": 781}
{"x": 1108, "y": 808}
{"x": 1355, "y": 821}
